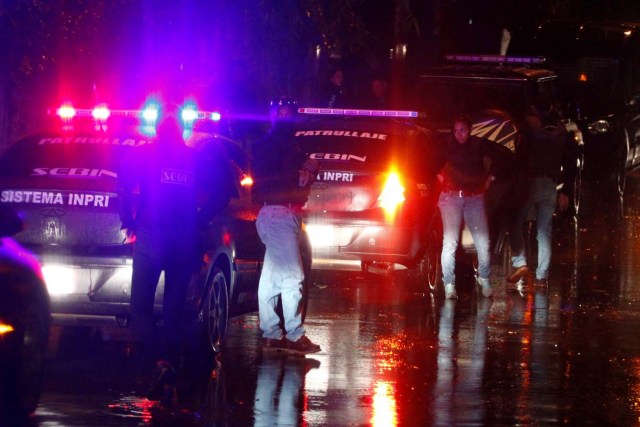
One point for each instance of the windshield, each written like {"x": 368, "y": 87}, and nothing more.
{"x": 442, "y": 99}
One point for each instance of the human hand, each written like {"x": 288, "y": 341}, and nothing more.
{"x": 311, "y": 165}
{"x": 487, "y": 183}
{"x": 129, "y": 235}
{"x": 305, "y": 178}
{"x": 563, "y": 202}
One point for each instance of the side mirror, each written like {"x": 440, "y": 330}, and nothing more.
{"x": 10, "y": 221}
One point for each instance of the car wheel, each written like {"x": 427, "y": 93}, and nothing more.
{"x": 619, "y": 179}
{"x": 217, "y": 310}
{"x": 577, "y": 191}
{"x": 25, "y": 369}
{"x": 428, "y": 271}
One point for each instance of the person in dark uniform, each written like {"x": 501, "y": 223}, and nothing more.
{"x": 163, "y": 223}
{"x": 282, "y": 176}
{"x": 548, "y": 155}
{"x": 334, "y": 93}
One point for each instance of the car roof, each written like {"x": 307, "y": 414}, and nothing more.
{"x": 487, "y": 72}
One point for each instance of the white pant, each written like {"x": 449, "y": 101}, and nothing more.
{"x": 282, "y": 272}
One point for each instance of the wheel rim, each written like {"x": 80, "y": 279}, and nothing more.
{"x": 218, "y": 311}
{"x": 429, "y": 266}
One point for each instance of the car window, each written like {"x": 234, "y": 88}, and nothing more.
{"x": 442, "y": 99}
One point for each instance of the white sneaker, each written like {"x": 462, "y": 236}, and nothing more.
{"x": 450, "y": 291}
{"x": 485, "y": 285}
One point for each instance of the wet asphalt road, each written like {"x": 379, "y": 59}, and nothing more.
{"x": 393, "y": 356}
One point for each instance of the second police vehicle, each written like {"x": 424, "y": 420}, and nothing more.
{"x": 372, "y": 206}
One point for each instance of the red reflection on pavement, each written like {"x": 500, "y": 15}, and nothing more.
{"x": 385, "y": 411}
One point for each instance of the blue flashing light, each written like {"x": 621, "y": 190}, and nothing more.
{"x": 150, "y": 113}
{"x": 189, "y": 114}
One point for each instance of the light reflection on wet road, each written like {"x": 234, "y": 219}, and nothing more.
{"x": 391, "y": 356}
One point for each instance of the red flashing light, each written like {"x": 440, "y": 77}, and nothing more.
{"x": 66, "y": 112}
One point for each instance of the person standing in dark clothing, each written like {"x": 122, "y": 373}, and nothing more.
{"x": 282, "y": 175}
{"x": 162, "y": 220}
{"x": 334, "y": 94}
{"x": 465, "y": 177}
{"x": 377, "y": 96}
{"x": 547, "y": 155}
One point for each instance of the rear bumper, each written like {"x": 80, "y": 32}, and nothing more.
{"x": 88, "y": 291}
{"x": 343, "y": 243}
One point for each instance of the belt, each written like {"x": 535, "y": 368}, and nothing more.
{"x": 291, "y": 206}
{"x": 462, "y": 193}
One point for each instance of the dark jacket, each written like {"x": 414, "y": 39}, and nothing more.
{"x": 466, "y": 166}
{"x": 548, "y": 150}
{"x": 277, "y": 160}
{"x": 157, "y": 188}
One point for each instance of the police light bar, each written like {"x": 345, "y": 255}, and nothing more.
{"x": 149, "y": 114}
{"x": 354, "y": 112}
{"x": 496, "y": 59}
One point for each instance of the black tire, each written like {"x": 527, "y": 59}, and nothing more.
{"x": 427, "y": 272}
{"x": 25, "y": 368}
{"x": 577, "y": 192}
{"x": 619, "y": 181}
{"x": 216, "y": 310}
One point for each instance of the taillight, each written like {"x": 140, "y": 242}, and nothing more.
{"x": 246, "y": 181}
{"x": 392, "y": 195}
{"x": 5, "y": 328}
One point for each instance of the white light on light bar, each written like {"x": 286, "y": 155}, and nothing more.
{"x": 189, "y": 114}
{"x": 66, "y": 112}
{"x": 101, "y": 112}
{"x": 353, "y": 112}
{"x": 496, "y": 59}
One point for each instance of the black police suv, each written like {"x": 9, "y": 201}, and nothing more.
{"x": 24, "y": 323}
{"x": 373, "y": 204}
{"x": 497, "y": 92}
{"x": 599, "y": 73}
